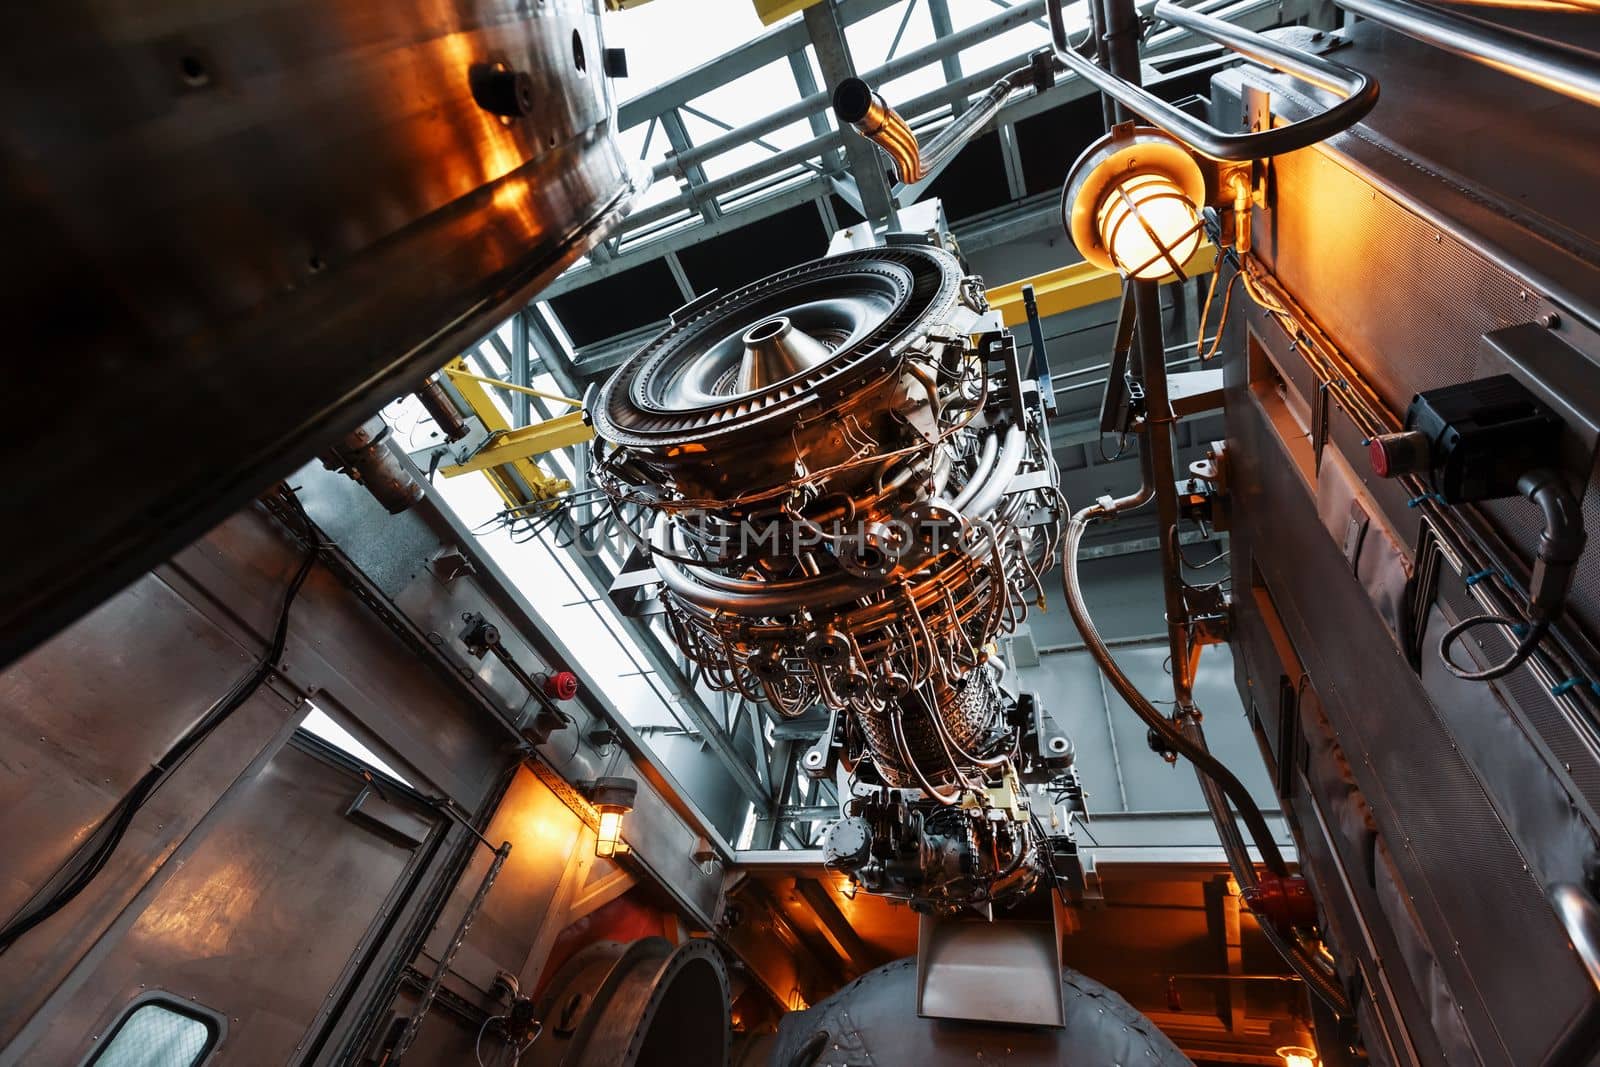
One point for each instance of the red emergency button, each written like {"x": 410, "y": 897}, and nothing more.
{"x": 561, "y": 685}
{"x": 1396, "y": 454}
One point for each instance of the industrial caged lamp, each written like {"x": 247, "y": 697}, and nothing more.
{"x": 1131, "y": 203}
{"x": 1295, "y": 1045}
{"x": 612, "y": 798}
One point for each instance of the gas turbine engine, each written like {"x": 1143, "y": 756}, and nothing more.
{"x": 846, "y": 499}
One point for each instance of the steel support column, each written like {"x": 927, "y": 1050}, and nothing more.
{"x": 939, "y": 14}
{"x": 833, "y": 56}
{"x": 520, "y": 372}
{"x": 554, "y": 355}
{"x": 1121, "y": 23}
{"x": 694, "y": 175}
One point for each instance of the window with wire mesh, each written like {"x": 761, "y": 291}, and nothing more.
{"x": 156, "y": 1035}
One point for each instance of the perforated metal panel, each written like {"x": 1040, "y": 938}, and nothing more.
{"x": 1409, "y": 304}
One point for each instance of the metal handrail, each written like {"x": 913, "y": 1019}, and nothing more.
{"x": 1548, "y": 64}
{"x": 1358, "y": 89}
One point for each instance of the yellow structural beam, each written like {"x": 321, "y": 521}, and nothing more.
{"x": 509, "y": 449}
{"x": 457, "y": 375}
{"x": 1076, "y": 286}
{"x": 771, "y": 11}
{"x": 511, "y": 446}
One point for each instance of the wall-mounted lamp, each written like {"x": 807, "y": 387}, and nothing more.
{"x": 1132, "y": 203}
{"x": 612, "y": 798}
{"x": 1295, "y": 1045}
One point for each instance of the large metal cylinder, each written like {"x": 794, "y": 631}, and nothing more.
{"x": 638, "y": 1004}
{"x": 236, "y": 230}
{"x": 874, "y": 1020}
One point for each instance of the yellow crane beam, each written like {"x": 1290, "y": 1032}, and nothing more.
{"x": 1076, "y": 286}
{"x": 514, "y": 448}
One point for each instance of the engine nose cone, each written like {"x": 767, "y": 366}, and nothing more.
{"x": 774, "y": 349}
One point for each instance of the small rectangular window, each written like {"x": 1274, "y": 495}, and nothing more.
{"x": 157, "y": 1034}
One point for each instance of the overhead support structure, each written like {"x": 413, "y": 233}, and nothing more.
{"x": 833, "y": 56}
{"x": 694, "y": 175}
{"x": 811, "y": 172}
{"x": 506, "y": 458}
{"x": 511, "y": 448}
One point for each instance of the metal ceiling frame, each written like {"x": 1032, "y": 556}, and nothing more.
{"x": 810, "y": 171}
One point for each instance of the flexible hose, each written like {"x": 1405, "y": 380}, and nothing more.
{"x": 1560, "y": 546}
{"x": 1168, "y": 731}
{"x": 1301, "y": 959}
{"x": 1532, "y": 634}
{"x": 1217, "y": 783}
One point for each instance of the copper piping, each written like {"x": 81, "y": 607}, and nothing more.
{"x": 855, "y": 102}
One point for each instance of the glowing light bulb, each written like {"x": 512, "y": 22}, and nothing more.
{"x": 610, "y": 834}
{"x": 612, "y": 798}
{"x": 1149, "y": 226}
{"x": 1131, "y": 204}
{"x": 1297, "y": 1056}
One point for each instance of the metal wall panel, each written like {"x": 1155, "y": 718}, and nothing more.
{"x": 246, "y": 880}
{"x": 82, "y": 720}
{"x": 1406, "y": 240}
{"x": 1471, "y": 890}
{"x": 258, "y": 918}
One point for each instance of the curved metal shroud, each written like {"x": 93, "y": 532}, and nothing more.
{"x": 637, "y": 1004}
{"x": 236, "y": 232}
{"x": 878, "y": 1012}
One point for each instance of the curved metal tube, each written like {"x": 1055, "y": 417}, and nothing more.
{"x": 1359, "y": 90}
{"x": 980, "y": 473}
{"x": 857, "y": 105}
{"x": 1569, "y": 7}
{"x": 1231, "y": 787}
{"x": 762, "y": 598}
{"x": 999, "y": 480}
{"x": 1543, "y": 64}
{"x": 1580, "y": 918}
{"x": 949, "y": 140}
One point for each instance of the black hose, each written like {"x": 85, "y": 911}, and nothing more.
{"x": 1560, "y": 546}
{"x": 1168, "y": 731}
{"x": 1532, "y": 634}
{"x": 91, "y": 858}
